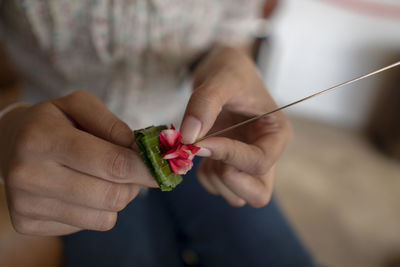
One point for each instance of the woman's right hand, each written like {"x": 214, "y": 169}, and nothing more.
{"x": 68, "y": 165}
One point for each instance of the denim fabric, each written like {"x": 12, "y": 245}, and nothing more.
{"x": 157, "y": 227}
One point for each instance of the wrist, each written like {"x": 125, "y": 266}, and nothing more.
{"x": 8, "y": 117}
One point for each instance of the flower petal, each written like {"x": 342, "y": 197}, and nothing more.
{"x": 190, "y": 148}
{"x": 170, "y": 138}
{"x": 179, "y": 156}
{"x": 175, "y": 153}
{"x": 180, "y": 166}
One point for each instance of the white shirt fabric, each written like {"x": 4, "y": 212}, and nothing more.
{"x": 133, "y": 55}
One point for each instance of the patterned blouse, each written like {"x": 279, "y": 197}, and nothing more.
{"x": 132, "y": 54}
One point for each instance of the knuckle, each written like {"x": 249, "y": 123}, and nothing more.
{"x": 37, "y": 133}
{"x": 107, "y": 221}
{"x": 261, "y": 166}
{"x": 118, "y": 165}
{"x": 209, "y": 98}
{"x": 29, "y": 138}
{"x": 116, "y": 128}
{"x": 117, "y": 197}
{"x": 17, "y": 175}
{"x": 25, "y": 177}
{"x": 262, "y": 162}
{"x": 228, "y": 155}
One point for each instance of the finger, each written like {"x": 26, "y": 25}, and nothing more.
{"x": 245, "y": 157}
{"x": 272, "y": 145}
{"x": 94, "y": 156}
{"x": 236, "y": 88}
{"x": 203, "y": 108}
{"x": 255, "y": 191}
{"x": 27, "y": 226}
{"x": 91, "y": 192}
{"x": 49, "y": 209}
{"x": 65, "y": 184}
{"x": 94, "y": 117}
{"x": 203, "y": 179}
{"x": 224, "y": 191}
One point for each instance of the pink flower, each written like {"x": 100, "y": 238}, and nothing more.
{"x": 179, "y": 156}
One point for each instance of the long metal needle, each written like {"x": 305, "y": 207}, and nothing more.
{"x": 299, "y": 101}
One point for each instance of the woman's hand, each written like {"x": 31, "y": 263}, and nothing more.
{"x": 68, "y": 166}
{"x": 240, "y": 165}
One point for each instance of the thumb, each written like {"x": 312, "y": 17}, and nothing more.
{"x": 94, "y": 117}
{"x": 201, "y": 112}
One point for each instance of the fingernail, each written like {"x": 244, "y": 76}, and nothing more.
{"x": 203, "y": 152}
{"x": 190, "y": 130}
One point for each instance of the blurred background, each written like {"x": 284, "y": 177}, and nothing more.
{"x": 339, "y": 180}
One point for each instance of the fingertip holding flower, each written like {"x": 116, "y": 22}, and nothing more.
{"x": 203, "y": 152}
{"x": 179, "y": 155}
{"x": 190, "y": 129}
{"x": 180, "y": 166}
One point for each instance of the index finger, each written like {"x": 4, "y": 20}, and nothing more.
{"x": 256, "y": 158}
{"x": 94, "y": 156}
{"x": 245, "y": 157}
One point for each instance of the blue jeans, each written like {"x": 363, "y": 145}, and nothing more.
{"x": 154, "y": 230}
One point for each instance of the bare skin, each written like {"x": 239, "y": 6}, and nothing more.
{"x": 69, "y": 163}
{"x": 240, "y": 165}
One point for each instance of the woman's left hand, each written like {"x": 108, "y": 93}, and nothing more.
{"x": 239, "y": 166}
